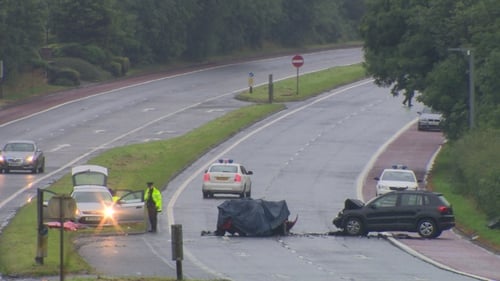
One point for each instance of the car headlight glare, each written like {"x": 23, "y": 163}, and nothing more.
{"x": 109, "y": 212}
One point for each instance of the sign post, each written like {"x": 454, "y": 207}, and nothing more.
{"x": 297, "y": 62}
{"x": 250, "y": 82}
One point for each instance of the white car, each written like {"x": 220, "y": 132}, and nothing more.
{"x": 94, "y": 199}
{"x": 94, "y": 205}
{"x": 227, "y": 177}
{"x": 429, "y": 119}
{"x": 396, "y": 178}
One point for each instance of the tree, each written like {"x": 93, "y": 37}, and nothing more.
{"x": 84, "y": 21}
{"x": 407, "y": 48}
{"x": 21, "y": 33}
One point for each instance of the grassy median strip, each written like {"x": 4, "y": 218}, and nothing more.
{"x": 131, "y": 166}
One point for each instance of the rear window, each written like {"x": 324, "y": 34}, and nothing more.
{"x": 89, "y": 178}
{"x": 224, "y": 169}
{"x": 443, "y": 200}
{"x": 398, "y": 176}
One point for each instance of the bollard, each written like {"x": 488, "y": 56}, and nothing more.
{"x": 271, "y": 88}
{"x": 177, "y": 252}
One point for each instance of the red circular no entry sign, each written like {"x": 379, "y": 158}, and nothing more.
{"x": 297, "y": 61}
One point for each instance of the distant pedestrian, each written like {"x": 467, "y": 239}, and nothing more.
{"x": 408, "y": 97}
{"x": 153, "y": 201}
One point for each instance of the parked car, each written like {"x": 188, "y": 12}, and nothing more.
{"x": 94, "y": 199}
{"x": 22, "y": 155}
{"x": 429, "y": 119}
{"x": 94, "y": 205}
{"x": 398, "y": 177}
{"x": 227, "y": 177}
{"x": 427, "y": 213}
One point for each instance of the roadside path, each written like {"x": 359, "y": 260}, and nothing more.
{"x": 451, "y": 251}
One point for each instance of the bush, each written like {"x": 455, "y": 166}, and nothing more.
{"x": 115, "y": 68}
{"x": 86, "y": 70}
{"x": 90, "y": 53}
{"x": 124, "y": 62}
{"x": 474, "y": 174}
{"x": 63, "y": 76}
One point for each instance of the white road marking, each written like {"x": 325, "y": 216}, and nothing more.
{"x": 59, "y": 147}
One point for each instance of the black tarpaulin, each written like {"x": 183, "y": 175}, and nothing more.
{"x": 252, "y": 217}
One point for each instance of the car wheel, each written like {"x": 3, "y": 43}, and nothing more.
{"x": 427, "y": 228}
{"x": 42, "y": 168}
{"x": 6, "y": 171}
{"x": 34, "y": 170}
{"x": 206, "y": 195}
{"x": 354, "y": 227}
{"x": 248, "y": 194}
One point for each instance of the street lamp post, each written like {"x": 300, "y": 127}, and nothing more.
{"x": 469, "y": 53}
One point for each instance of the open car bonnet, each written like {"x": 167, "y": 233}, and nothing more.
{"x": 353, "y": 204}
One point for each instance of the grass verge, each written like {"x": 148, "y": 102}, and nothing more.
{"x": 470, "y": 221}
{"x": 131, "y": 166}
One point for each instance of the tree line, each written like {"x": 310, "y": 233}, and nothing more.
{"x": 447, "y": 53}
{"x": 159, "y": 31}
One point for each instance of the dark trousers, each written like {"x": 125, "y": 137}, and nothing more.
{"x": 153, "y": 218}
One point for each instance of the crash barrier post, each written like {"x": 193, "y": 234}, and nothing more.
{"x": 177, "y": 252}
{"x": 271, "y": 90}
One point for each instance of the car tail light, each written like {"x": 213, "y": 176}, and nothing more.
{"x": 444, "y": 209}
{"x": 237, "y": 178}
{"x": 206, "y": 177}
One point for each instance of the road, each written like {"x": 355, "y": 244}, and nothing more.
{"x": 140, "y": 110}
{"x": 328, "y": 140}
{"x": 276, "y": 150}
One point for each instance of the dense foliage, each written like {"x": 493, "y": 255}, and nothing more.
{"x": 430, "y": 48}
{"x": 113, "y": 33}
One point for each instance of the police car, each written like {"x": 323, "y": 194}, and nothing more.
{"x": 398, "y": 177}
{"x": 227, "y": 177}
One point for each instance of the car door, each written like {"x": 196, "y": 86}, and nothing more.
{"x": 410, "y": 205}
{"x": 246, "y": 176}
{"x": 381, "y": 213}
{"x": 46, "y": 196}
{"x": 129, "y": 207}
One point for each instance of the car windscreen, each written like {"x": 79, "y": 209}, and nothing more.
{"x": 398, "y": 176}
{"x": 26, "y": 147}
{"x": 91, "y": 196}
{"x": 429, "y": 110}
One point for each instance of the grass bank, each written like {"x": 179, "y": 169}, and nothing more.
{"x": 470, "y": 221}
{"x": 159, "y": 161}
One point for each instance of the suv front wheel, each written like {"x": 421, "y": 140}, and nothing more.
{"x": 354, "y": 227}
